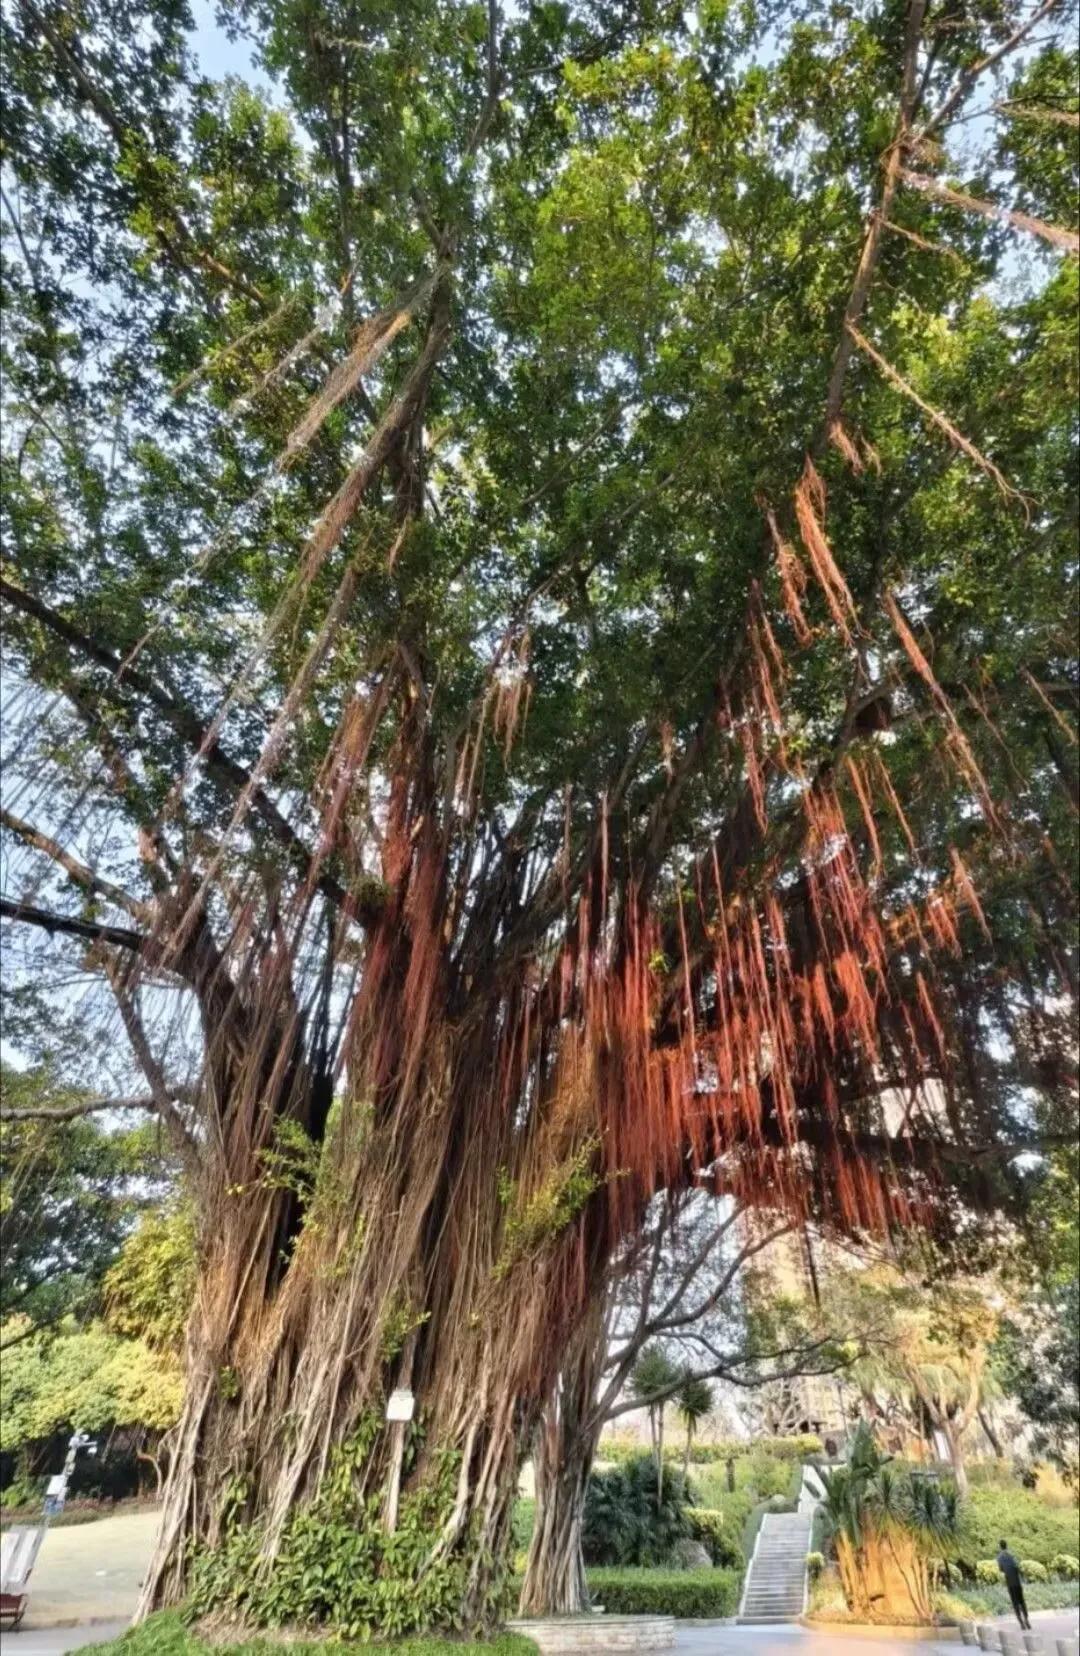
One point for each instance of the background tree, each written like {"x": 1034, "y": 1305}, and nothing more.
{"x": 674, "y": 1315}
{"x": 71, "y": 1190}
{"x": 694, "y": 1403}
{"x": 654, "y": 1380}
{"x": 435, "y": 395}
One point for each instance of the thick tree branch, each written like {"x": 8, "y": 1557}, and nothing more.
{"x": 967, "y": 79}
{"x": 84, "y": 1107}
{"x": 871, "y": 250}
{"x": 66, "y": 925}
{"x": 77, "y": 872}
{"x": 193, "y": 732}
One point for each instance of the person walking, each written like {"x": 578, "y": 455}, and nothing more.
{"x": 1010, "y": 1569}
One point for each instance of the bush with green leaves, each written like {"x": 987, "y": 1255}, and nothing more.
{"x": 718, "y": 1535}
{"x": 987, "y": 1572}
{"x": 1032, "y": 1570}
{"x": 815, "y": 1564}
{"x": 337, "y": 1566}
{"x": 1065, "y": 1566}
{"x": 628, "y": 1520}
{"x": 1033, "y": 1527}
{"x": 687, "y": 1593}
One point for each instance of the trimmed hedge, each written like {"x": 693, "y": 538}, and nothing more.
{"x": 615, "y": 1450}
{"x": 708, "y": 1594}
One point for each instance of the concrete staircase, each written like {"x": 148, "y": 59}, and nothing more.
{"x": 775, "y": 1589}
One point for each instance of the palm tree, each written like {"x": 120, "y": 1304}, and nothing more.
{"x": 883, "y": 1519}
{"x": 694, "y": 1400}
{"x": 652, "y": 1382}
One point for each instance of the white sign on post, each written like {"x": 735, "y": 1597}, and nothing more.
{"x": 400, "y": 1405}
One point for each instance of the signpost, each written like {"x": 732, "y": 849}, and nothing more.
{"x": 400, "y": 1408}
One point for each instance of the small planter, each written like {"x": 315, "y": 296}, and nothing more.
{"x": 989, "y": 1638}
{"x": 1034, "y": 1644}
{"x": 1068, "y": 1647}
{"x": 968, "y": 1634}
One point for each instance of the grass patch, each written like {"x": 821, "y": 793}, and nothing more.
{"x": 167, "y": 1635}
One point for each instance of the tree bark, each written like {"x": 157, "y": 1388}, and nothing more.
{"x": 565, "y": 1449}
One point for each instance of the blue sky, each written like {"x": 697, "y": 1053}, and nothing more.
{"x": 217, "y": 54}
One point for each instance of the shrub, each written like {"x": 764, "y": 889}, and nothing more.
{"x": 1034, "y": 1528}
{"x": 626, "y": 1523}
{"x": 704, "y": 1593}
{"x": 987, "y": 1572}
{"x": 994, "y": 1601}
{"x": 1032, "y": 1570}
{"x": 718, "y": 1535}
{"x": 815, "y": 1564}
{"x": 1065, "y": 1567}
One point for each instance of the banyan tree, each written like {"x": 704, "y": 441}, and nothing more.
{"x": 537, "y": 577}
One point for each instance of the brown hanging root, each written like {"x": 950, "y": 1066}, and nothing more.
{"x": 943, "y": 424}
{"x": 1059, "y": 719}
{"x": 810, "y": 513}
{"x": 966, "y": 889}
{"x": 1068, "y": 240}
{"x": 840, "y": 440}
{"x": 968, "y": 764}
{"x": 373, "y": 339}
{"x": 862, "y": 793}
{"x": 792, "y": 579}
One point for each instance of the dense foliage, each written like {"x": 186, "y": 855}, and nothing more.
{"x": 71, "y": 1191}
{"x": 630, "y": 1518}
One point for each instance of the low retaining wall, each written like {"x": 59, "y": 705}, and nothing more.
{"x": 576, "y": 1635}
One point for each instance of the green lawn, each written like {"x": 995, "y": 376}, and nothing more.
{"x": 166, "y": 1635}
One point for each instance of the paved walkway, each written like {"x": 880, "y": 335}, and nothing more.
{"x": 802, "y": 1641}
{"x": 90, "y": 1572}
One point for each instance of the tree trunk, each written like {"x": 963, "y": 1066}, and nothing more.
{"x": 956, "y": 1455}
{"x": 991, "y": 1435}
{"x": 566, "y": 1444}
{"x": 660, "y": 1455}
{"x": 395, "y": 1268}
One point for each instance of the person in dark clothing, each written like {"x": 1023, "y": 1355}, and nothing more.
{"x": 1010, "y": 1569}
